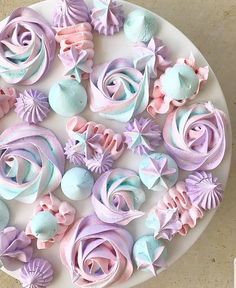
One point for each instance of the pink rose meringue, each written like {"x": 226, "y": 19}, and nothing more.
{"x": 27, "y": 47}
{"x": 64, "y": 213}
{"x": 117, "y": 196}
{"x": 107, "y": 17}
{"x": 7, "y": 100}
{"x": 97, "y": 254}
{"x": 177, "y": 85}
{"x": 195, "y": 136}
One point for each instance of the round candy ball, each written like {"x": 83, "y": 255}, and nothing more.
{"x": 140, "y": 26}
{"x": 77, "y": 183}
{"x": 44, "y": 225}
{"x": 67, "y": 97}
{"x": 4, "y": 215}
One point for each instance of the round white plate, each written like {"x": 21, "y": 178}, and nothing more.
{"x": 108, "y": 48}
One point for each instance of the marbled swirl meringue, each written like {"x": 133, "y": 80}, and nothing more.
{"x": 107, "y": 17}
{"x": 118, "y": 91}
{"x": 15, "y": 247}
{"x": 32, "y": 106}
{"x": 65, "y": 216}
{"x": 97, "y": 254}
{"x": 117, "y": 196}
{"x": 204, "y": 190}
{"x": 195, "y": 136}
{"x": 70, "y": 12}
{"x": 32, "y": 162}
{"x": 27, "y": 47}
{"x": 7, "y": 100}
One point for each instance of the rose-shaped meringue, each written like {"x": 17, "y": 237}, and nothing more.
{"x": 32, "y": 106}
{"x": 27, "y": 47}
{"x": 7, "y": 100}
{"x": 70, "y": 12}
{"x": 14, "y": 246}
{"x": 154, "y": 55}
{"x": 204, "y": 190}
{"x": 177, "y": 198}
{"x": 118, "y": 91}
{"x": 117, "y": 196}
{"x": 195, "y": 136}
{"x": 107, "y": 17}
{"x": 177, "y": 85}
{"x": 32, "y": 162}
{"x": 65, "y": 216}
{"x": 97, "y": 254}
{"x": 142, "y": 136}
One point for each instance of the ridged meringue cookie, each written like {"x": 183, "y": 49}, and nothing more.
{"x": 7, "y": 100}
{"x": 32, "y": 162}
{"x": 117, "y": 196}
{"x": 158, "y": 172}
{"x": 73, "y": 154}
{"x": 118, "y": 91}
{"x": 70, "y": 12}
{"x": 37, "y": 273}
{"x": 204, "y": 189}
{"x": 107, "y": 16}
{"x": 27, "y": 54}
{"x": 32, "y": 106}
{"x": 100, "y": 162}
{"x": 149, "y": 254}
{"x": 4, "y": 215}
{"x": 97, "y": 254}
{"x": 195, "y": 136}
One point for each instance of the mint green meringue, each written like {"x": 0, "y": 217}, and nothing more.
{"x": 67, "y": 98}
{"x": 4, "y": 215}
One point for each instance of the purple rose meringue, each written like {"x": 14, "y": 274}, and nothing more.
{"x": 154, "y": 55}
{"x": 14, "y": 246}
{"x": 70, "y": 13}
{"x": 143, "y": 136}
{"x": 107, "y": 17}
{"x": 32, "y": 106}
{"x": 37, "y": 273}
{"x": 73, "y": 154}
{"x": 100, "y": 162}
{"x": 204, "y": 190}
{"x": 117, "y": 196}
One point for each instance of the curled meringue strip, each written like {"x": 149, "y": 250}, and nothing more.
{"x": 118, "y": 91}
{"x": 32, "y": 162}
{"x": 195, "y": 136}
{"x": 117, "y": 196}
{"x": 27, "y": 47}
{"x": 64, "y": 213}
{"x": 7, "y": 100}
{"x": 97, "y": 254}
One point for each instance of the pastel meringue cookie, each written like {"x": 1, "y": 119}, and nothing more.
{"x": 70, "y": 12}
{"x": 140, "y": 26}
{"x": 7, "y": 100}
{"x": 149, "y": 254}
{"x": 67, "y": 98}
{"x": 117, "y": 196}
{"x": 15, "y": 247}
{"x": 107, "y": 16}
{"x": 58, "y": 215}
{"x": 77, "y": 183}
{"x": 158, "y": 172}
{"x": 142, "y": 136}
{"x": 73, "y": 154}
{"x": 4, "y": 215}
{"x": 204, "y": 189}
{"x": 32, "y": 162}
{"x": 155, "y": 55}
{"x": 32, "y": 106}
{"x": 27, "y": 54}
{"x": 177, "y": 85}
{"x": 37, "y": 273}
{"x": 100, "y": 162}
{"x": 195, "y": 136}
{"x": 103, "y": 253}
{"x": 118, "y": 91}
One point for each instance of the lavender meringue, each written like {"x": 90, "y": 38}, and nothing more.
{"x": 73, "y": 154}
{"x": 100, "y": 162}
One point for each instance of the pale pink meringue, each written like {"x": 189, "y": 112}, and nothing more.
{"x": 7, "y": 100}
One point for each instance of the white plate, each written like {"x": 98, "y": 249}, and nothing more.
{"x": 119, "y": 46}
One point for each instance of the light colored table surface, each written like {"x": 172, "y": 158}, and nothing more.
{"x": 211, "y": 25}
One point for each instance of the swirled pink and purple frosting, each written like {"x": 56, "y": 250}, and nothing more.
{"x": 7, "y": 100}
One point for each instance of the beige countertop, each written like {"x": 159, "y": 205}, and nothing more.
{"x": 211, "y": 25}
